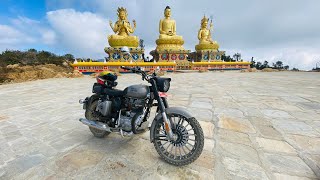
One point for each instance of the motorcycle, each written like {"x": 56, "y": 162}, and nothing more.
{"x": 176, "y": 135}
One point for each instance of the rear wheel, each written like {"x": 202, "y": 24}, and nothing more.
{"x": 91, "y": 114}
{"x": 187, "y": 144}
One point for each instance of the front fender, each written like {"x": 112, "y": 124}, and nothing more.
{"x": 170, "y": 110}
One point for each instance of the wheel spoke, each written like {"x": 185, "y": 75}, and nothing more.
{"x": 189, "y": 129}
{"x": 179, "y": 121}
{"x": 187, "y": 125}
{"x": 182, "y": 121}
{"x": 175, "y": 152}
{"x": 190, "y": 144}
{"x": 162, "y": 145}
{"x": 168, "y": 147}
{"x": 171, "y": 148}
{"x": 187, "y": 148}
{"x": 180, "y": 152}
{"x": 184, "y": 150}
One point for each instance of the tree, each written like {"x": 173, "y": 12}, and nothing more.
{"x": 253, "y": 63}
{"x": 226, "y": 58}
{"x": 31, "y": 57}
{"x": 237, "y": 56}
{"x": 32, "y": 50}
{"x": 286, "y": 67}
{"x": 259, "y": 65}
{"x": 279, "y": 64}
{"x": 265, "y": 64}
{"x": 69, "y": 57}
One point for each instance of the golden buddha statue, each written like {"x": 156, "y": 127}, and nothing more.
{"x": 168, "y": 39}
{"x": 204, "y": 36}
{"x": 123, "y": 29}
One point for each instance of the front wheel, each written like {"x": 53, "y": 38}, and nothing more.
{"x": 187, "y": 144}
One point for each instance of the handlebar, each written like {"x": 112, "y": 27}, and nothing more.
{"x": 138, "y": 70}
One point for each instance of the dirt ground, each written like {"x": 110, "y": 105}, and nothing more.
{"x": 15, "y": 73}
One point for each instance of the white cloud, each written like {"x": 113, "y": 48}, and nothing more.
{"x": 35, "y": 29}
{"x": 303, "y": 58}
{"x": 83, "y": 34}
{"x": 10, "y": 37}
{"x": 24, "y": 33}
{"x": 48, "y": 37}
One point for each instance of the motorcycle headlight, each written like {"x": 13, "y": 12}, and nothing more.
{"x": 166, "y": 85}
{"x": 163, "y": 84}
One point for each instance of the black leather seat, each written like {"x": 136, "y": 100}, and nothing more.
{"x": 114, "y": 92}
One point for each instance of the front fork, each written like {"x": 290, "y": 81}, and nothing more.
{"x": 162, "y": 105}
{"x": 167, "y": 126}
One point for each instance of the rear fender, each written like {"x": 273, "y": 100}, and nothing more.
{"x": 92, "y": 98}
{"x": 170, "y": 110}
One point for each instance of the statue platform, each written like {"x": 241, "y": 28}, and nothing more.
{"x": 180, "y": 57}
{"x": 169, "y": 44}
{"x": 128, "y": 41}
{"x": 202, "y": 47}
{"x": 115, "y": 54}
{"x": 207, "y": 55}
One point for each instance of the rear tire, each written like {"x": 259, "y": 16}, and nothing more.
{"x": 188, "y": 145}
{"x": 91, "y": 114}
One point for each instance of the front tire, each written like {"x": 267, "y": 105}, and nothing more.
{"x": 91, "y": 114}
{"x": 188, "y": 144}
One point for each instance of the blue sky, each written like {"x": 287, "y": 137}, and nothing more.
{"x": 286, "y": 30}
{"x": 34, "y": 9}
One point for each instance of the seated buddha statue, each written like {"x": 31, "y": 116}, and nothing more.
{"x": 204, "y": 36}
{"x": 168, "y": 39}
{"x": 123, "y": 29}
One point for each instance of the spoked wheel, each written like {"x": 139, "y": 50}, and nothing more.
{"x": 187, "y": 144}
{"x": 91, "y": 114}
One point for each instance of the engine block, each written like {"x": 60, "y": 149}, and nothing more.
{"x": 125, "y": 122}
{"x": 135, "y": 103}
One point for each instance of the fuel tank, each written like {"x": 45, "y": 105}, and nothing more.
{"x": 137, "y": 91}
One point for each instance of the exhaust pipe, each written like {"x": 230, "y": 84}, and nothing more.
{"x": 95, "y": 124}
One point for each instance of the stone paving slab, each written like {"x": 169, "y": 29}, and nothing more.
{"x": 256, "y": 126}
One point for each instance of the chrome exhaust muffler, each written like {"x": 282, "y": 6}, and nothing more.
{"x": 95, "y": 124}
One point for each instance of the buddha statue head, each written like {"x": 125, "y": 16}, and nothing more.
{"x": 204, "y": 22}
{"x": 167, "y": 12}
{"x": 122, "y": 13}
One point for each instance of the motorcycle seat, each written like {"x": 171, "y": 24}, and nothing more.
{"x": 115, "y": 92}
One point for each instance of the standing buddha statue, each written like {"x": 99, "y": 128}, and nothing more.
{"x": 123, "y": 29}
{"x": 204, "y": 36}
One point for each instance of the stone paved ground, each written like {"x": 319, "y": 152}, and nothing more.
{"x": 257, "y": 126}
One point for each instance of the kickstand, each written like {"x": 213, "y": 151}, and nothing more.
{"x": 121, "y": 132}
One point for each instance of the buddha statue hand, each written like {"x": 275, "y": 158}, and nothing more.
{"x": 110, "y": 23}
{"x": 170, "y": 33}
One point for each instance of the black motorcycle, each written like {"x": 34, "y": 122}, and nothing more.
{"x": 175, "y": 133}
